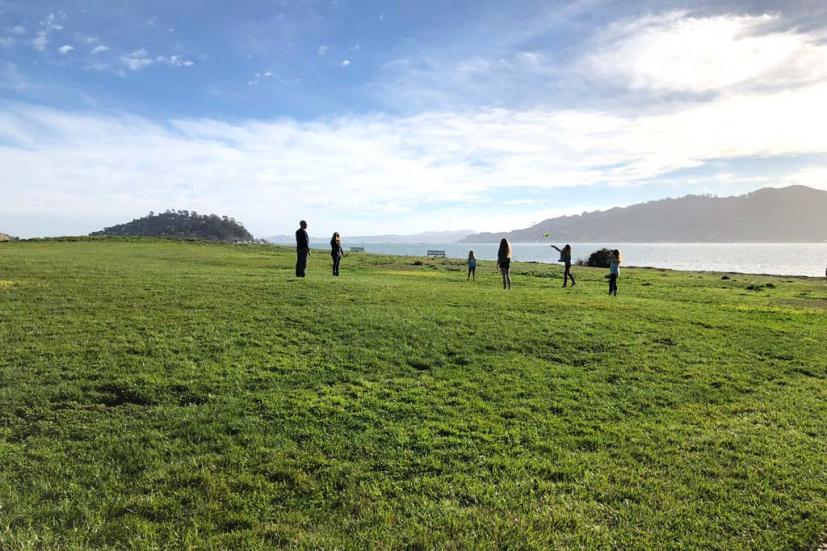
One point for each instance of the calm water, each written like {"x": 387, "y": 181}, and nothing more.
{"x": 760, "y": 258}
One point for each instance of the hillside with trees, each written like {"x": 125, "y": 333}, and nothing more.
{"x": 181, "y": 224}
{"x": 790, "y": 214}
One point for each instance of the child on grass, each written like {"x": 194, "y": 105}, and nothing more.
{"x": 614, "y": 271}
{"x": 472, "y": 265}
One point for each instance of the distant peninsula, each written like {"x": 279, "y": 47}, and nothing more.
{"x": 789, "y": 214}
{"x": 181, "y": 224}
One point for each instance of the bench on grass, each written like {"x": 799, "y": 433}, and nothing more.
{"x": 357, "y": 249}
{"x": 435, "y": 253}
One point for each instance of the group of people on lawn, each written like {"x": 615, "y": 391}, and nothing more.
{"x": 503, "y": 259}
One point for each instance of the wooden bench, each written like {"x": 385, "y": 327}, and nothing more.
{"x": 435, "y": 253}
{"x": 357, "y": 249}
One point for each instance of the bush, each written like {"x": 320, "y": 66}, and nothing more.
{"x": 600, "y": 258}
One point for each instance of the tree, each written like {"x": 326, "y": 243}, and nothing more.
{"x": 182, "y": 224}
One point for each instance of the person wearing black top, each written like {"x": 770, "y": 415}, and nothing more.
{"x": 336, "y": 252}
{"x": 302, "y": 248}
{"x": 504, "y": 262}
{"x": 565, "y": 258}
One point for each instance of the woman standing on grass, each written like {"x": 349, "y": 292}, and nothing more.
{"x": 614, "y": 271}
{"x": 472, "y": 265}
{"x": 336, "y": 252}
{"x": 565, "y": 258}
{"x": 504, "y": 262}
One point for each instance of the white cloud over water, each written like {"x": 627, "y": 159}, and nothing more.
{"x": 261, "y": 170}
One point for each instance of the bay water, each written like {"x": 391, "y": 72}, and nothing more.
{"x": 806, "y": 259}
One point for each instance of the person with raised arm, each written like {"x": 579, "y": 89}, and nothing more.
{"x": 565, "y": 258}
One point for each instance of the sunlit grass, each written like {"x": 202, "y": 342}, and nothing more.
{"x": 161, "y": 394}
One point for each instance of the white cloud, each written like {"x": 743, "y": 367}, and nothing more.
{"x": 137, "y": 60}
{"x": 65, "y": 49}
{"x": 47, "y": 27}
{"x": 9, "y": 41}
{"x": 675, "y": 52}
{"x": 345, "y": 63}
{"x": 40, "y": 41}
{"x": 322, "y": 50}
{"x": 361, "y": 167}
{"x": 100, "y": 49}
{"x": 258, "y": 77}
{"x": 174, "y": 61}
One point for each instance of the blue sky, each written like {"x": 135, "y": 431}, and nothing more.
{"x": 378, "y": 117}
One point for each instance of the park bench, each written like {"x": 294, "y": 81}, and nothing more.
{"x": 435, "y": 253}
{"x": 357, "y": 249}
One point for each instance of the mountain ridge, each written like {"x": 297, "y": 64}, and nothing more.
{"x": 790, "y": 214}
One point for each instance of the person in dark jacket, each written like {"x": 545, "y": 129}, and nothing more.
{"x": 565, "y": 258}
{"x": 336, "y": 252}
{"x": 302, "y": 248}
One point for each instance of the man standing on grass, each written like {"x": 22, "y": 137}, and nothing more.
{"x": 302, "y": 248}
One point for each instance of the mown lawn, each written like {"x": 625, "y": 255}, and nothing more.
{"x": 170, "y": 395}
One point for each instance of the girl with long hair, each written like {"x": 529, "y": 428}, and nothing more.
{"x": 565, "y": 258}
{"x": 336, "y": 252}
{"x": 504, "y": 262}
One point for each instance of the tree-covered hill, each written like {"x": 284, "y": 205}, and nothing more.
{"x": 182, "y": 224}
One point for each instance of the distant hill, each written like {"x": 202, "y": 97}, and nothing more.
{"x": 451, "y": 236}
{"x": 794, "y": 213}
{"x": 181, "y": 224}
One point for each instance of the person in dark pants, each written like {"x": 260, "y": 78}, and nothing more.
{"x": 504, "y": 262}
{"x": 302, "y": 248}
{"x": 614, "y": 271}
{"x": 565, "y": 258}
{"x": 336, "y": 252}
{"x": 472, "y": 265}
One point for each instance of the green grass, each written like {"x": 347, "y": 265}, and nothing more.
{"x": 169, "y": 395}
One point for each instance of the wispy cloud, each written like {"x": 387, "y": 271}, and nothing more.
{"x": 137, "y": 60}
{"x": 369, "y": 164}
{"x": 345, "y": 62}
{"x": 322, "y": 50}
{"x": 174, "y": 61}
{"x": 141, "y": 59}
{"x": 100, "y": 49}
{"x": 258, "y": 77}
{"x": 65, "y": 49}
{"x": 47, "y": 27}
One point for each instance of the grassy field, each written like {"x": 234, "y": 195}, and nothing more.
{"x": 175, "y": 395}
